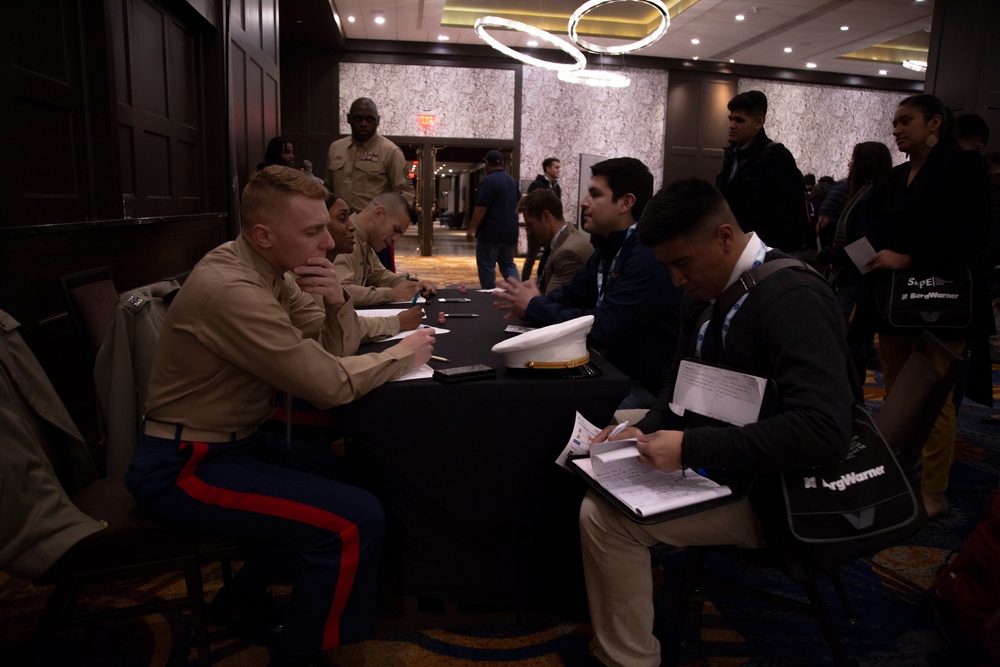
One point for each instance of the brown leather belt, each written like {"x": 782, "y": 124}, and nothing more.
{"x": 188, "y": 434}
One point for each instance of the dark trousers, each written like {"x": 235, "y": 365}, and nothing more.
{"x": 291, "y": 503}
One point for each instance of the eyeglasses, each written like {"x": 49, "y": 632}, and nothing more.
{"x": 362, "y": 119}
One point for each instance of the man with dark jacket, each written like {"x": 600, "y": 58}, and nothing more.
{"x": 549, "y": 180}
{"x": 760, "y": 179}
{"x": 691, "y": 230}
{"x": 635, "y": 307}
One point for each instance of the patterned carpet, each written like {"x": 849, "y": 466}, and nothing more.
{"x": 890, "y": 594}
{"x": 443, "y": 271}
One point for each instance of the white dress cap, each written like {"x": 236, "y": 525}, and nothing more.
{"x": 562, "y": 345}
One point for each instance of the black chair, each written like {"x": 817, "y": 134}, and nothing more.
{"x": 130, "y": 546}
{"x": 91, "y": 298}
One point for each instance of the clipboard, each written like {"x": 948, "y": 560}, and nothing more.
{"x": 583, "y": 470}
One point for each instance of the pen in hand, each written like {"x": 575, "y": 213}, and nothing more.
{"x": 415, "y": 295}
{"x": 617, "y": 429}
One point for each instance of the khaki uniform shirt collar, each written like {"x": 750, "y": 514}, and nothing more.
{"x": 246, "y": 252}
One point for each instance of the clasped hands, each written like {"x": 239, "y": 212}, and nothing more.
{"x": 660, "y": 449}
{"x": 515, "y": 296}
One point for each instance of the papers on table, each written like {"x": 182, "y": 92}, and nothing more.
{"x": 383, "y": 312}
{"x": 403, "y": 334}
{"x": 418, "y": 373}
{"x": 513, "y": 328}
{"x": 420, "y": 300}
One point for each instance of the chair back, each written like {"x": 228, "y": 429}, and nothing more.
{"x": 90, "y": 298}
{"x": 921, "y": 388}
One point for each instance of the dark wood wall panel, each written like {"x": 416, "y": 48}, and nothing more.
{"x": 42, "y": 108}
{"x": 309, "y": 107}
{"x": 256, "y": 81}
{"x": 696, "y": 125}
{"x": 963, "y": 67}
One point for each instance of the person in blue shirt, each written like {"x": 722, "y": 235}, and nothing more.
{"x": 494, "y": 222}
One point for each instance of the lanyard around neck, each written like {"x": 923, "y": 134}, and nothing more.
{"x": 757, "y": 261}
{"x": 612, "y": 266}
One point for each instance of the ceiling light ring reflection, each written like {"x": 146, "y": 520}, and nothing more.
{"x": 596, "y": 78}
{"x": 915, "y": 65}
{"x": 590, "y": 5}
{"x": 484, "y": 22}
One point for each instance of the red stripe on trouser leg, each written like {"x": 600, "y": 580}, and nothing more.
{"x": 285, "y": 509}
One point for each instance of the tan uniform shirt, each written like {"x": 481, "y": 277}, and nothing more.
{"x": 238, "y": 330}
{"x": 362, "y": 273}
{"x": 359, "y": 172}
{"x": 372, "y": 328}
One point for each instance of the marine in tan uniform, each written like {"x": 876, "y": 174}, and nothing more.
{"x": 245, "y": 324}
{"x": 364, "y": 165}
{"x": 361, "y": 272}
{"x": 343, "y": 232}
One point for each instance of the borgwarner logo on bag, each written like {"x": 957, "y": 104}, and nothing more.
{"x": 849, "y": 479}
{"x": 931, "y": 282}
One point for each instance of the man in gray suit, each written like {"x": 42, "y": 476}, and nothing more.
{"x": 566, "y": 247}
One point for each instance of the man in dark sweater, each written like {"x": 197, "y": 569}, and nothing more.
{"x": 693, "y": 232}
{"x": 760, "y": 180}
{"x": 635, "y": 307}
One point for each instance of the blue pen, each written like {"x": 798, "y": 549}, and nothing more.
{"x": 415, "y": 295}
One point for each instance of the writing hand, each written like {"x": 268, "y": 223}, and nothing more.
{"x": 422, "y": 343}
{"x": 410, "y": 318}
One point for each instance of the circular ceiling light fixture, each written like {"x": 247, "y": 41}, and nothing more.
{"x": 484, "y": 22}
{"x": 915, "y": 65}
{"x": 596, "y": 78}
{"x": 590, "y": 5}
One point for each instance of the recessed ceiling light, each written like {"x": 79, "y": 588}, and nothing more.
{"x": 845, "y": 27}
{"x": 788, "y": 49}
{"x": 883, "y": 72}
{"x": 811, "y": 65}
{"x": 532, "y": 42}
{"x": 696, "y": 58}
{"x": 696, "y": 41}
{"x": 740, "y": 17}
{"x": 379, "y": 17}
{"x": 351, "y": 19}
{"x": 443, "y": 38}
{"x": 732, "y": 60}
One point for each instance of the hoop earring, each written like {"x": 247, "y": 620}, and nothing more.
{"x": 932, "y": 140}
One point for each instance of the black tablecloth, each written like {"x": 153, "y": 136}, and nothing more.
{"x": 478, "y": 511}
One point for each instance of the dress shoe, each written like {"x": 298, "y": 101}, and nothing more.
{"x": 251, "y": 613}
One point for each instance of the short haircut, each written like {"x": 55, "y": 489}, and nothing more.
{"x": 362, "y": 100}
{"x": 268, "y": 190}
{"x": 684, "y": 208}
{"x": 972, "y": 127}
{"x": 626, "y": 175}
{"x": 809, "y": 179}
{"x": 396, "y": 204}
{"x": 753, "y": 103}
{"x": 547, "y": 162}
{"x": 538, "y": 201}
